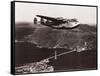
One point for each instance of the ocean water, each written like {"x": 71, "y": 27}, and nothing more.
{"x": 35, "y": 44}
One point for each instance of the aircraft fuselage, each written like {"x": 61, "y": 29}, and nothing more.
{"x": 59, "y": 23}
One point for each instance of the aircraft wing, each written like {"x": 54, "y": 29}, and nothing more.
{"x": 50, "y": 18}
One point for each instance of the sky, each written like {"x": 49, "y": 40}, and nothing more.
{"x": 25, "y": 12}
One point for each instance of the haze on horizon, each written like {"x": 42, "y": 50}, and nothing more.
{"x": 25, "y": 12}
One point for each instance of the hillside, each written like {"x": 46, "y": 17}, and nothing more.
{"x": 35, "y": 43}
{"x": 48, "y": 37}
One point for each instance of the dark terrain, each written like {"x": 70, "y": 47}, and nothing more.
{"x": 35, "y": 43}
